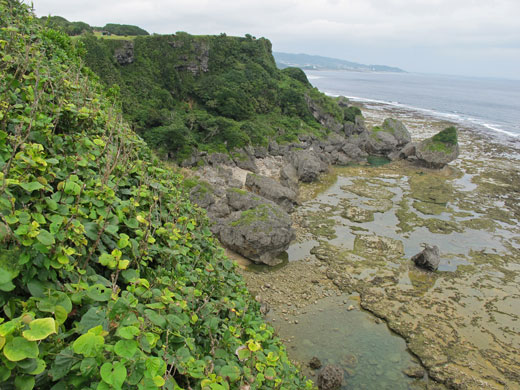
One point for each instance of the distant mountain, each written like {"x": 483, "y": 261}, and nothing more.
{"x": 306, "y": 61}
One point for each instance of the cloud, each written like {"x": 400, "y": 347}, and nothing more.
{"x": 317, "y": 26}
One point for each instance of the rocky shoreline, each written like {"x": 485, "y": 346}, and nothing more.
{"x": 356, "y": 230}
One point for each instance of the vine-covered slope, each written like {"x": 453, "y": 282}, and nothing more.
{"x": 109, "y": 277}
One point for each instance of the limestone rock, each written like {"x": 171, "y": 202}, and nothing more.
{"x": 258, "y": 228}
{"x": 330, "y": 377}
{"x": 414, "y": 372}
{"x": 429, "y": 258}
{"x": 308, "y": 165}
{"x": 434, "y": 152}
{"x": 272, "y": 190}
{"x": 322, "y": 116}
{"x": 386, "y": 139}
{"x": 289, "y": 177}
{"x": 125, "y": 54}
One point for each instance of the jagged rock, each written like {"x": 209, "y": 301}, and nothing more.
{"x": 340, "y": 158}
{"x": 414, "y": 372}
{"x": 272, "y": 190}
{"x": 260, "y": 152}
{"x": 391, "y": 136}
{"x": 245, "y": 159}
{"x": 404, "y": 153}
{"x": 125, "y": 54}
{"x": 322, "y": 116}
{"x": 353, "y": 128}
{"x": 315, "y": 363}
{"x": 218, "y": 159}
{"x": 289, "y": 177}
{"x": 353, "y": 151}
{"x": 343, "y": 101}
{"x": 218, "y": 209}
{"x": 202, "y": 194}
{"x": 429, "y": 258}
{"x": 436, "y": 153}
{"x": 308, "y": 165}
{"x": 330, "y": 377}
{"x": 260, "y": 231}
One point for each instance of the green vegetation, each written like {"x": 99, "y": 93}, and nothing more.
{"x": 124, "y": 29}
{"x": 109, "y": 277}
{"x": 213, "y": 93}
{"x": 69, "y": 28}
{"x": 444, "y": 141}
{"x": 447, "y": 136}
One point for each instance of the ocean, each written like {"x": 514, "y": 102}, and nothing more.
{"x": 489, "y": 105}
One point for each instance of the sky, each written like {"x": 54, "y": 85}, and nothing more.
{"x": 462, "y": 37}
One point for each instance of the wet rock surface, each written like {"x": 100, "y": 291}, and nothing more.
{"x": 468, "y": 210}
{"x": 428, "y": 259}
{"x": 330, "y": 378}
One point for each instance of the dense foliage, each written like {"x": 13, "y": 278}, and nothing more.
{"x": 124, "y": 29}
{"x": 69, "y": 28}
{"x": 109, "y": 277}
{"x": 208, "y": 92}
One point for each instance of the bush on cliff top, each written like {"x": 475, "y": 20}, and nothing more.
{"x": 109, "y": 277}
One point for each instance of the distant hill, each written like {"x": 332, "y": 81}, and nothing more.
{"x": 306, "y": 61}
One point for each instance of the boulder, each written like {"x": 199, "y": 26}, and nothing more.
{"x": 272, "y": 190}
{"x": 330, "y": 377}
{"x": 260, "y": 233}
{"x": 439, "y": 150}
{"x": 289, "y": 177}
{"x": 428, "y": 259}
{"x": 386, "y": 139}
{"x": 245, "y": 159}
{"x": 218, "y": 159}
{"x": 404, "y": 153}
{"x": 308, "y": 165}
{"x": 353, "y": 151}
{"x": 414, "y": 371}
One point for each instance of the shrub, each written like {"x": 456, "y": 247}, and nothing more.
{"x": 447, "y": 136}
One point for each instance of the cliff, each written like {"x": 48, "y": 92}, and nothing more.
{"x": 213, "y": 93}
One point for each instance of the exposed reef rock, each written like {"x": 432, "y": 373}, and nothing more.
{"x": 428, "y": 259}
{"x": 308, "y": 165}
{"x": 322, "y": 116}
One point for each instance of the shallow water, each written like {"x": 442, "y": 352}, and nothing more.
{"x": 369, "y": 353}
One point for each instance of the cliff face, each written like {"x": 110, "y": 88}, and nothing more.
{"x": 213, "y": 93}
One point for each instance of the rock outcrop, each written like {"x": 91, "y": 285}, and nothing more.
{"x": 330, "y": 378}
{"x": 439, "y": 150}
{"x": 272, "y": 190}
{"x": 386, "y": 139}
{"x": 125, "y": 54}
{"x": 307, "y": 164}
{"x": 257, "y": 228}
{"x": 428, "y": 259}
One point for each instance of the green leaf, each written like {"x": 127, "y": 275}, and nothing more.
{"x": 32, "y": 186}
{"x": 155, "y": 318}
{"x": 62, "y": 364}
{"x": 45, "y": 237}
{"x": 114, "y": 375}
{"x": 126, "y": 348}
{"x": 40, "y": 329}
{"x": 231, "y": 372}
{"x": 270, "y": 373}
{"x": 99, "y": 293}
{"x": 5, "y": 373}
{"x": 89, "y": 344}
{"x": 128, "y": 332}
{"x": 24, "y": 382}
{"x": 19, "y": 348}
{"x": 72, "y": 188}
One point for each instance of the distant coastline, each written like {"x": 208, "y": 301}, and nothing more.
{"x": 312, "y": 62}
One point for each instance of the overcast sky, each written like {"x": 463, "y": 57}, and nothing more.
{"x": 465, "y": 37}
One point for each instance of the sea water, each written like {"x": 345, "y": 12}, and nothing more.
{"x": 491, "y": 105}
